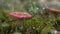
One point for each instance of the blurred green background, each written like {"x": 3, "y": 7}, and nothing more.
{"x": 40, "y": 23}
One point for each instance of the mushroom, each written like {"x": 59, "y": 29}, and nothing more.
{"x": 54, "y": 13}
{"x": 20, "y": 15}
{"x": 53, "y": 10}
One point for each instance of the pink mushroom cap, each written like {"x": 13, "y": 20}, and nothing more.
{"x": 53, "y": 10}
{"x": 20, "y": 15}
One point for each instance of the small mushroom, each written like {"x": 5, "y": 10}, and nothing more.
{"x": 53, "y": 10}
{"x": 20, "y": 15}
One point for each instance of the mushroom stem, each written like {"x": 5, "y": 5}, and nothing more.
{"x": 20, "y": 25}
